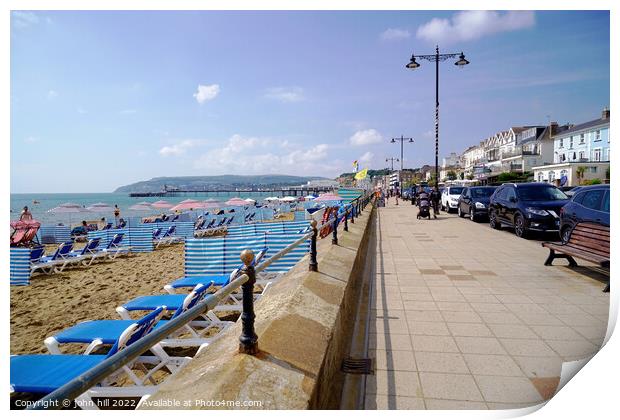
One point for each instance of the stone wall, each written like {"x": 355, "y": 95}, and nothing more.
{"x": 304, "y": 324}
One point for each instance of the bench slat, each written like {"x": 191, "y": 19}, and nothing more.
{"x": 602, "y": 246}
{"x": 597, "y": 232}
{"x": 602, "y": 254}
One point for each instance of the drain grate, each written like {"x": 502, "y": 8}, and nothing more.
{"x": 357, "y": 366}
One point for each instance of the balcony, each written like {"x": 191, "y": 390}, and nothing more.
{"x": 519, "y": 152}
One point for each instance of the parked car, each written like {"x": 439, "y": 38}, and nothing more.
{"x": 450, "y": 198}
{"x": 474, "y": 201}
{"x": 572, "y": 191}
{"x": 589, "y": 204}
{"x": 527, "y": 207}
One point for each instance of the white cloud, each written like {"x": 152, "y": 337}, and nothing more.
{"x": 286, "y": 95}
{"x": 474, "y": 24}
{"x": 206, "y": 93}
{"x": 51, "y": 94}
{"x": 364, "y": 137}
{"x": 258, "y": 155}
{"x": 395, "y": 34}
{"x": 23, "y": 19}
{"x": 366, "y": 157}
{"x": 179, "y": 148}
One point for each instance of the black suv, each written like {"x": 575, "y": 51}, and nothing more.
{"x": 474, "y": 201}
{"x": 589, "y": 204}
{"x": 531, "y": 206}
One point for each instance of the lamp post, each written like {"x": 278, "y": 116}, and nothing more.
{"x": 392, "y": 160}
{"x": 402, "y": 140}
{"x": 437, "y": 58}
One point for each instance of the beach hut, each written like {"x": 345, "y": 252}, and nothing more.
{"x": 328, "y": 197}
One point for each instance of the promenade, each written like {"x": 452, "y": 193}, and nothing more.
{"x": 465, "y": 317}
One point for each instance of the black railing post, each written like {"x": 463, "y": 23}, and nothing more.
{"x": 248, "y": 341}
{"x": 353, "y": 214}
{"x": 346, "y": 224}
{"x": 314, "y": 266}
{"x": 335, "y": 230}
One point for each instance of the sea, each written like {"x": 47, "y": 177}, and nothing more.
{"x": 40, "y": 204}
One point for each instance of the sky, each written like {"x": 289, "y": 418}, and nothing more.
{"x": 101, "y": 99}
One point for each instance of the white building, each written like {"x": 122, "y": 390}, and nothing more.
{"x": 323, "y": 183}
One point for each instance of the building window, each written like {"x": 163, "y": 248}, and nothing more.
{"x": 593, "y": 169}
{"x": 570, "y": 144}
{"x": 563, "y": 157}
{"x": 551, "y": 176}
{"x": 597, "y": 135}
{"x": 582, "y": 138}
{"x": 574, "y": 156}
{"x": 540, "y": 176}
{"x": 582, "y": 155}
{"x": 597, "y": 155}
{"x": 561, "y": 143}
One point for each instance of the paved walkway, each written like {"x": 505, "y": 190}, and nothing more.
{"x": 465, "y": 317}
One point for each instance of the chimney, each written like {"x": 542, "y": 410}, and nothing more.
{"x": 553, "y": 128}
{"x": 605, "y": 115}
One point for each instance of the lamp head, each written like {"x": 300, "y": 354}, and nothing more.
{"x": 461, "y": 61}
{"x": 412, "y": 65}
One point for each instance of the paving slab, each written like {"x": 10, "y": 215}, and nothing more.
{"x": 467, "y": 317}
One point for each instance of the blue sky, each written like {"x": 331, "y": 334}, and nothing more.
{"x": 136, "y": 95}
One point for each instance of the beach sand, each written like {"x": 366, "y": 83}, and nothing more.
{"x": 54, "y": 302}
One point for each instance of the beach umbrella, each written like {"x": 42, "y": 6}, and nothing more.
{"x": 250, "y": 201}
{"x": 69, "y": 208}
{"x": 211, "y": 204}
{"x": 236, "y": 201}
{"x": 188, "y": 205}
{"x": 310, "y": 197}
{"x": 189, "y": 200}
{"x": 288, "y": 199}
{"x": 328, "y": 197}
{"x": 143, "y": 206}
{"x": 161, "y": 204}
{"x": 100, "y": 207}
{"x": 270, "y": 199}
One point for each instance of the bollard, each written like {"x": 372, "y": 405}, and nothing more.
{"x": 335, "y": 230}
{"x": 248, "y": 341}
{"x": 314, "y": 266}
{"x": 346, "y": 224}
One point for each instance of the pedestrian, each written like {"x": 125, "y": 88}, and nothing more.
{"x": 435, "y": 198}
{"x": 102, "y": 224}
{"x": 117, "y": 214}
{"x": 25, "y": 215}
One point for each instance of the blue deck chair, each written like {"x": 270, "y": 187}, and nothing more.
{"x": 55, "y": 262}
{"x": 88, "y": 254}
{"x": 214, "y": 280}
{"x": 107, "y": 226}
{"x": 168, "y": 237}
{"x": 104, "y": 332}
{"x": 44, "y": 373}
{"x": 156, "y": 234}
{"x": 230, "y": 221}
{"x": 114, "y": 248}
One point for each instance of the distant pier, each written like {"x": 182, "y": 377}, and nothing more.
{"x": 280, "y": 192}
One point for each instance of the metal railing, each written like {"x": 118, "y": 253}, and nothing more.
{"x": 248, "y": 341}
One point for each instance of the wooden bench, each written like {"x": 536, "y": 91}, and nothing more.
{"x": 587, "y": 241}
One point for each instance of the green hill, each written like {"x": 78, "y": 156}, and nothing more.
{"x": 218, "y": 182}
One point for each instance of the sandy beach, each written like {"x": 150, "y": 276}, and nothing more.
{"x": 54, "y": 302}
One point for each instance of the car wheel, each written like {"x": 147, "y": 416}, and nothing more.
{"x": 493, "y": 222}
{"x": 565, "y": 234}
{"x": 459, "y": 212}
{"x": 520, "y": 229}
{"x": 472, "y": 215}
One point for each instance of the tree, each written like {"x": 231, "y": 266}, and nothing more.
{"x": 607, "y": 173}
{"x": 580, "y": 171}
{"x": 470, "y": 176}
{"x": 451, "y": 175}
